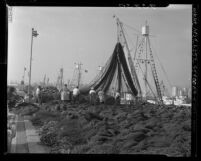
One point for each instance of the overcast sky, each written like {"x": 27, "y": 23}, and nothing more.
{"x": 89, "y": 34}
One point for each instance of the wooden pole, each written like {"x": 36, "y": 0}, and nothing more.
{"x": 79, "y": 74}
{"x": 23, "y": 78}
{"x": 145, "y": 68}
{"x": 30, "y": 64}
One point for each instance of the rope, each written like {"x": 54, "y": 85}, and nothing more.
{"x": 100, "y": 74}
{"x": 163, "y": 69}
{"x": 126, "y": 83}
{"x": 132, "y": 28}
{"x": 154, "y": 72}
{"x": 146, "y": 80}
{"x": 136, "y": 82}
{"x": 129, "y": 38}
{"x": 140, "y": 51}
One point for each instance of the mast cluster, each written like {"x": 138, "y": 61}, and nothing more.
{"x": 143, "y": 55}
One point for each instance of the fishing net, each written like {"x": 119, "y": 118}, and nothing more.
{"x": 114, "y": 77}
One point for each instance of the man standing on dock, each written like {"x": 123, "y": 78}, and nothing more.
{"x": 101, "y": 96}
{"x": 92, "y": 96}
{"x": 117, "y": 98}
{"x": 65, "y": 94}
{"x": 38, "y": 95}
{"x": 76, "y": 93}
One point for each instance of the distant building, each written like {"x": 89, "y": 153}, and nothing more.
{"x": 189, "y": 93}
{"x": 180, "y": 92}
{"x": 185, "y": 92}
{"x": 174, "y": 91}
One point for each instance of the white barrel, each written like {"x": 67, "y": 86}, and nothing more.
{"x": 145, "y": 30}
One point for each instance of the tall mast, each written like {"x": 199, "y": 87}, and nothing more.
{"x": 33, "y": 34}
{"x": 23, "y": 77}
{"x": 133, "y": 72}
{"x": 44, "y": 79}
{"x": 79, "y": 74}
{"x": 146, "y": 34}
{"x": 30, "y": 64}
{"x": 61, "y": 78}
{"x": 150, "y": 60}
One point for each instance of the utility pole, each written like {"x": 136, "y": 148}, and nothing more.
{"x": 61, "y": 78}
{"x": 23, "y": 74}
{"x": 79, "y": 74}
{"x": 23, "y": 78}
{"x": 44, "y": 79}
{"x": 48, "y": 81}
{"x": 33, "y": 34}
{"x": 68, "y": 82}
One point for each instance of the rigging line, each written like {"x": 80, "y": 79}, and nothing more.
{"x": 136, "y": 81}
{"x": 101, "y": 72}
{"x": 137, "y": 45}
{"x": 136, "y": 48}
{"x": 140, "y": 51}
{"x": 132, "y": 28}
{"x": 129, "y": 38}
{"x": 154, "y": 73}
{"x": 126, "y": 34}
{"x": 141, "y": 48}
{"x": 146, "y": 80}
{"x": 137, "y": 31}
{"x": 170, "y": 84}
{"x": 139, "y": 54}
{"x": 126, "y": 83}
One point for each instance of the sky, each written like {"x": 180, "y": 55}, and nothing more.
{"x": 69, "y": 35}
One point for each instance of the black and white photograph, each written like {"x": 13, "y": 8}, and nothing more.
{"x": 99, "y": 80}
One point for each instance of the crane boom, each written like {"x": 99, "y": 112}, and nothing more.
{"x": 131, "y": 64}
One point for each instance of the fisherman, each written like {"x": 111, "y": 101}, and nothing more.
{"x": 76, "y": 93}
{"x": 38, "y": 95}
{"x": 117, "y": 98}
{"x": 65, "y": 94}
{"x": 113, "y": 92}
{"x": 26, "y": 98}
{"x": 92, "y": 96}
{"x": 101, "y": 96}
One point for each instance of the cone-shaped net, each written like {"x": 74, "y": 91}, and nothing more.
{"x": 114, "y": 77}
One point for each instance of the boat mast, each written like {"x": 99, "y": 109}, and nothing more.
{"x": 61, "y": 78}
{"x": 131, "y": 64}
{"x": 146, "y": 34}
{"x": 150, "y": 60}
{"x": 79, "y": 74}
